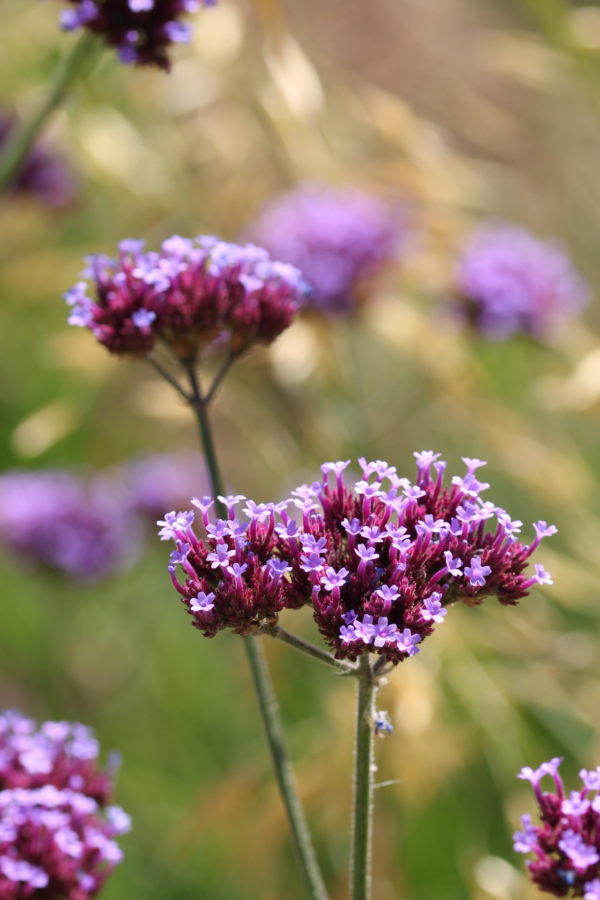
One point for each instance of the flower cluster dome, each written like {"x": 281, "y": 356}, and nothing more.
{"x": 140, "y": 30}
{"x": 566, "y": 845}
{"x": 56, "y": 830}
{"x": 337, "y": 236}
{"x": 193, "y": 291}
{"x": 507, "y": 281}
{"x": 376, "y": 562}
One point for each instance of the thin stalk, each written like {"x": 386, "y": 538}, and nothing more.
{"x": 168, "y": 377}
{"x": 283, "y": 770}
{"x": 298, "y": 643}
{"x": 362, "y": 816}
{"x": 22, "y": 139}
{"x": 262, "y": 684}
{"x": 220, "y": 376}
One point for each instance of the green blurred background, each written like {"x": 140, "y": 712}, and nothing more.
{"x": 466, "y": 110}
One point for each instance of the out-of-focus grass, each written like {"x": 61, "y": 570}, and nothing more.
{"x": 465, "y": 111}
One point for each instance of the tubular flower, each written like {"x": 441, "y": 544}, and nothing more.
{"x": 56, "y": 830}
{"x": 337, "y": 236}
{"x": 140, "y": 30}
{"x": 376, "y": 563}
{"x": 507, "y": 281}
{"x": 193, "y": 291}
{"x": 566, "y": 843}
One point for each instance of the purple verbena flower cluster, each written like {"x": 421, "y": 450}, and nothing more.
{"x": 56, "y": 830}
{"x": 80, "y": 527}
{"x": 141, "y": 30}
{"x": 507, "y": 281}
{"x": 337, "y": 236}
{"x": 90, "y": 526}
{"x": 376, "y": 563}
{"x": 41, "y": 174}
{"x": 193, "y": 291}
{"x": 566, "y": 845}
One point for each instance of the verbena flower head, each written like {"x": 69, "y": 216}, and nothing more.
{"x": 566, "y": 843}
{"x": 81, "y": 528}
{"x": 56, "y": 830}
{"x": 337, "y": 236}
{"x": 508, "y": 281}
{"x": 379, "y": 564}
{"x": 157, "y": 481}
{"x": 141, "y": 30}
{"x": 190, "y": 293}
{"x": 41, "y": 175}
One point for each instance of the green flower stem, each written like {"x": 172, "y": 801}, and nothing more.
{"x": 362, "y": 818}
{"x": 298, "y": 643}
{"x": 262, "y": 684}
{"x": 82, "y": 56}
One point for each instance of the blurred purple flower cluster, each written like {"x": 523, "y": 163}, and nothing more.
{"x": 566, "y": 845}
{"x": 376, "y": 563}
{"x": 41, "y": 175}
{"x": 337, "y": 236}
{"x": 56, "y": 830}
{"x": 193, "y": 291}
{"x": 91, "y": 527}
{"x": 141, "y": 30}
{"x": 507, "y": 281}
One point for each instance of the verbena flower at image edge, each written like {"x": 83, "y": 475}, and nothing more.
{"x": 188, "y": 295}
{"x": 141, "y": 30}
{"x": 337, "y": 236}
{"x": 507, "y": 281}
{"x": 566, "y": 843}
{"x": 56, "y": 828}
{"x": 379, "y": 564}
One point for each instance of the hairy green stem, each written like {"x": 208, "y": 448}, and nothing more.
{"x": 362, "y": 817}
{"x": 262, "y": 683}
{"x": 22, "y": 139}
{"x": 298, "y": 643}
{"x": 283, "y": 770}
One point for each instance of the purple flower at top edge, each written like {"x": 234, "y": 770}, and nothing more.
{"x": 189, "y": 292}
{"x": 56, "y": 827}
{"x": 507, "y": 281}
{"x": 141, "y": 31}
{"x": 339, "y": 237}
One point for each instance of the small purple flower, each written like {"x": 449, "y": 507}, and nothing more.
{"x": 575, "y": 805}
{"x": 580, "y": 853}
{"x": 312, "y": 563}
{"x": 592, "y": 890}
{"x": 541, "y": 575}
{"x": 476, "y": 572}
{"x": 354, "y": 527}
{"x": 332, "y": 579}
{"x": 433, "y": 611}
{"x": 220, "y": 556}
{"x": 366, "y": 554}
{"x": 591, "y": 780}
{"x": 384, "y": 632}
{"x": 348, "y": 634}
{"x": 525, "y": 841}
{"x": 364, "y": 630}
{"x": 453, "y": 565}
{"x": 179, "y": 556}
{"x": 543, "y": 530}
{"x": 407, "y": 642}
{"x": 387, "y": 592}
{"x": 473, "y": 464}
{"x": 203, "y": 602}
{"x": 413, "y": 492}
{"x": 383, "y": 725}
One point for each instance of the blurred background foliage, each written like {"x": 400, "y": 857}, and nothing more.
{"x": 464, "y": 110}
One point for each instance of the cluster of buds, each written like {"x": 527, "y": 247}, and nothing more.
{"x": 566, "y": 844}
{"x": 56, "y": 830}
{"x": 376, "y": 562}
{"x": 339, "y": 237}
{"x": 189, "y": 294}
{"x": 508, "y": 281}
{"x": 140, "y": 30}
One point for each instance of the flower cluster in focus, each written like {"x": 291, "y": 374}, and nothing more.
{"x": 192, "y": 292}
{"x": 56, "y": 830}
{"x": 376, "y": 562}
{"x": 507, "y": 281}
{"x": 337, "y": 237}
{"x": 90, "y": 527}
{"x": 41, "y": 174}
{"x": 140, "y": 30}
{"x": 566, "y": 845}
